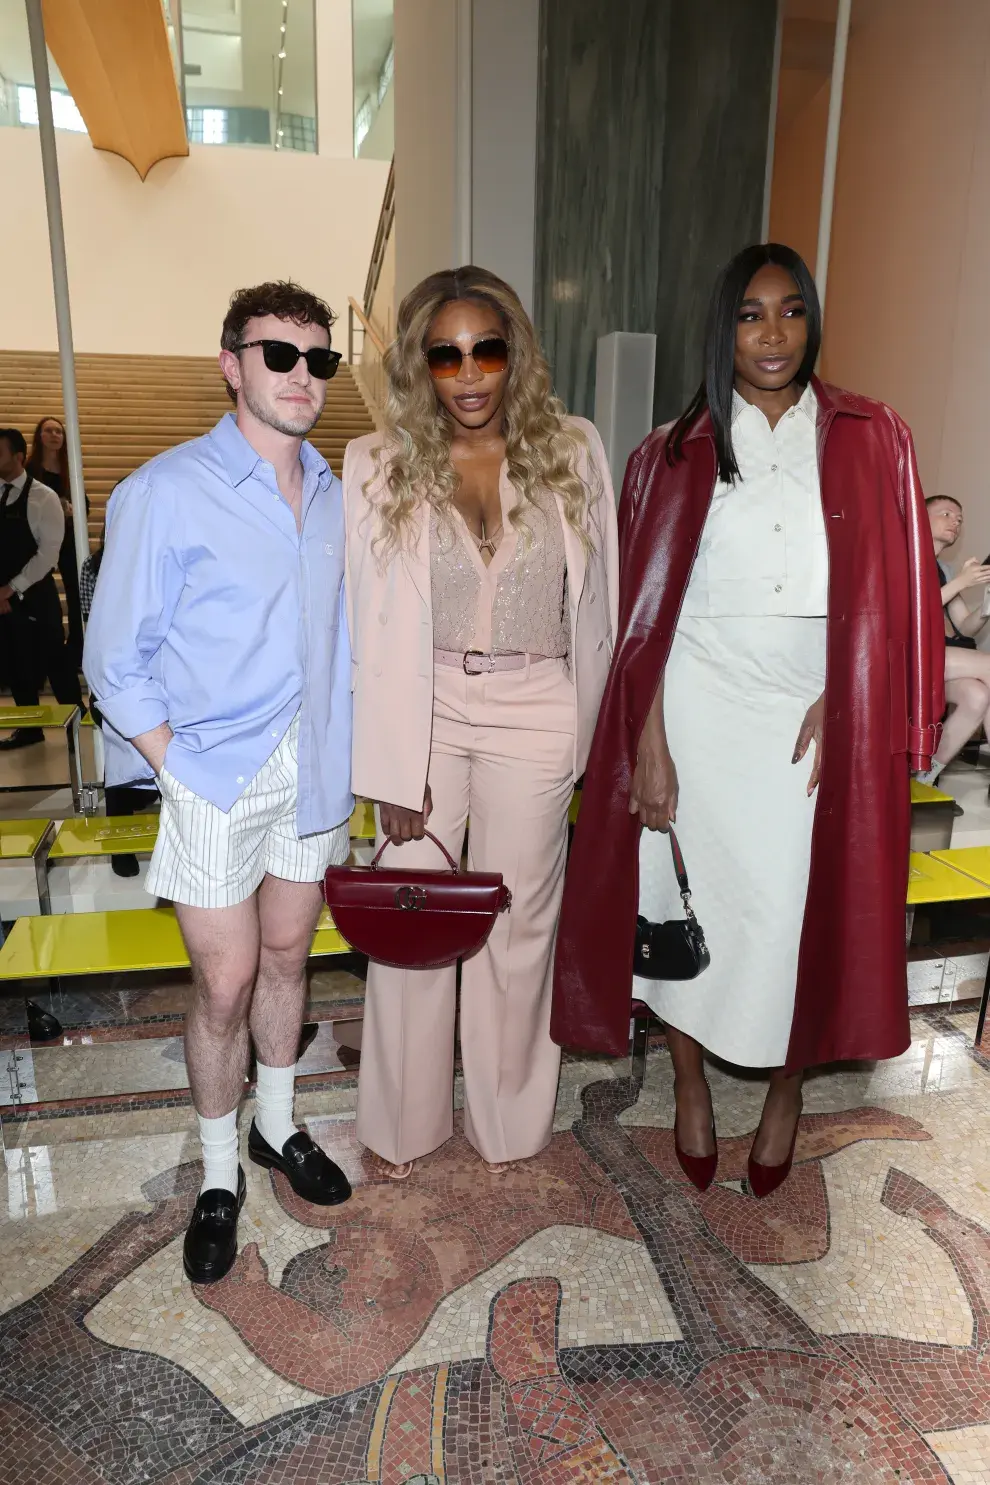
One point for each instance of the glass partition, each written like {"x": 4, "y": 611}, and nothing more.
{"x": 249, "y": 71}
{"x": 374, "y": 92}
{"x": 18, "y": 101}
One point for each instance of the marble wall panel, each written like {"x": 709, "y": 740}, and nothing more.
{"x": 599, "y": 176}
{"x": 714, "y": 164}
{"x": 650, "y": 168}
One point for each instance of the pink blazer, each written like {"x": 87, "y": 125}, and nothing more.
{"x": 390, "y": 614}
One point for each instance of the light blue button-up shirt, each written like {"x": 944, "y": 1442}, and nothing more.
{"x": 213, "y": 613}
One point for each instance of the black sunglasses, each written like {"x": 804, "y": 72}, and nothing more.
{"x": 282, "y": 355}
{"x": 489, "y": 355}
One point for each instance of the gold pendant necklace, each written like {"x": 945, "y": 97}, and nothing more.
{"x": 487, "y": 543}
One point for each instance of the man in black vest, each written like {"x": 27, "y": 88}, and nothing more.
{"x": 32, "y": 639}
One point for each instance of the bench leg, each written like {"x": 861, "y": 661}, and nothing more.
{"x": 640, "y": 1040}
{"x": 75, "y": 763}
{"x": 983, "y": 1010}
{"x": 41, "y": 876}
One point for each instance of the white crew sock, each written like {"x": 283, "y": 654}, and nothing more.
{"x": 220, "y": 1162}
{"x": 274, "y": 1095}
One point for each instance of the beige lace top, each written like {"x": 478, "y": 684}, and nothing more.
{"x": 519, "y": 602}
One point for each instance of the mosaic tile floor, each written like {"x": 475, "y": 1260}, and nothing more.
{"x": 585, "y": 1317}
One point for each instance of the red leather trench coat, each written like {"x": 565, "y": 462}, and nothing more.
{"x": 884, "y": 699}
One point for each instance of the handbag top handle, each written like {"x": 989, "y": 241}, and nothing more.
{"x": 681, "y": 872}
{"x": 679, "y": 867}
{"x": 429, "y": 836}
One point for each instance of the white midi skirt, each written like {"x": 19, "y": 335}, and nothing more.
{"x": 735, "y": 695}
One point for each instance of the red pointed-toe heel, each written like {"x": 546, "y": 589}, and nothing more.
{"x": 766, "y": 1178}
{"x": 699, "y": 1169}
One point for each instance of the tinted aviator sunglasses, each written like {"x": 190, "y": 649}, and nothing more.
{"x": 282, "y": 355}
{"x": 491, "y": 354}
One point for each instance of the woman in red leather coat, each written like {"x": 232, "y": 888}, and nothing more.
{"x": 777, "y": 674}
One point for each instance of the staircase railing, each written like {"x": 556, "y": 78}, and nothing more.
{"x": 368, "y": 358}
{"x": 385, "y": 219}
{"x": 370, "y": 365}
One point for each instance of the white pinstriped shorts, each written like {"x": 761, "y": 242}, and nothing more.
{"x": 206, "y": 858}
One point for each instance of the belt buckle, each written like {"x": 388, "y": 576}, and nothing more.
{"x": 478, "y": 655}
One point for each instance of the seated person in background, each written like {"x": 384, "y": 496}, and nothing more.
{"x": 31, "y": 634}
{"x": 121, "y": 799}
{"x": 967, "y": 669}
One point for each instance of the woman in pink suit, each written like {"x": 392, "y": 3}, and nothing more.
{"x": 481, "y": 581}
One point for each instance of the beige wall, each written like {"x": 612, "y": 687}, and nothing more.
{"x": 908, "y": 316}
{"x": 804, "y": 88}
{"x": 798, "y": 161}
{"x": 152, "y": 264}
{"x": 505, "y": 67}
{"x": 334, "y": 78}
{"x": 425, "y": 139}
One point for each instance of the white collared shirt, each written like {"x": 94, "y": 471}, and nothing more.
{"x": 763, "y": 551}
{"x": 46, "y": 521}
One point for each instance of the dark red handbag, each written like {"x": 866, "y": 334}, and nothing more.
{"x": 415, "y": 919}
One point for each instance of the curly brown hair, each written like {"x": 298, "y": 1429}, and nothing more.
{"x": 281, "y": 298}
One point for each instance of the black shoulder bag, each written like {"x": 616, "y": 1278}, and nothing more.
{"x": 675, "y": 950}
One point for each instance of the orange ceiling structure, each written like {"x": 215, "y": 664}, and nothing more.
{"x": 115, "y": 58}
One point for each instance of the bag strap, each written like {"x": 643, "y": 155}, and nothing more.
{"x": 678, "y": 855}
{"x": 429, "y": 836}
{"x": 681, "y": 872}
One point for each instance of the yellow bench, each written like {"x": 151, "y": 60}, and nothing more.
{"x": 115, "y": 835}
{"x": 937, "y": 879}
{"x": 49, "y": 718}
{"x": 22, "y": 841}
{"x": 104, "y": 835}
{"x": 114, "y": 943}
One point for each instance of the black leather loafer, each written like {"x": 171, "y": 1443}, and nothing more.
{"x": 22, "y": 737}
{"x": 210, "y": 1247}
{"x": 42, "y": 1025}
{"x": 311, "y": 1174}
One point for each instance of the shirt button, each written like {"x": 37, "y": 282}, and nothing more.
{"x": 240, "y": 778}
{"x": 779, "y": 588}
{"x": 778, "y": 527}
{"x": 773, "y": 469}
{"x": 274, "y": 734}
{"x": 383, "y": 618}
{"x": 376, "y": 670}
{"x": 593, "y": 597}
{"x": 601, "y": 644}
{"x": 328, "y": 549}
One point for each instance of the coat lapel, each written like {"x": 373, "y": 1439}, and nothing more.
{"x": 574, "y": 553}
{"x": 416, "y": 556}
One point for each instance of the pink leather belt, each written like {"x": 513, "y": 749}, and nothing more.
{"x": 477, "y": 662}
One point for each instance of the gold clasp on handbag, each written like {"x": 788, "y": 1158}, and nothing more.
{"x": 410, "y": 899}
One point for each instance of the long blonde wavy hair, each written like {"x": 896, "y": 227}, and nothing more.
{"x": 412, "y": 464}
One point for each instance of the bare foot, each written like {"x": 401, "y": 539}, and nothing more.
{"x": 781, "y": 1113}
{"x": 694, "y": 1117}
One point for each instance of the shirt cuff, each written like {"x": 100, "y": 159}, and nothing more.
{"x": 135, "y": 709}
{"x": 18, "y": 584}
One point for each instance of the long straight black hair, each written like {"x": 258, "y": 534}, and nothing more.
{"x": 715, "y": 392}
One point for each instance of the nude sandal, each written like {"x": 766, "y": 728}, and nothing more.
{"x": 395, "y": 1172}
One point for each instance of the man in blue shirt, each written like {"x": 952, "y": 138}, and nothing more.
{"x": 217, "y": 648}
